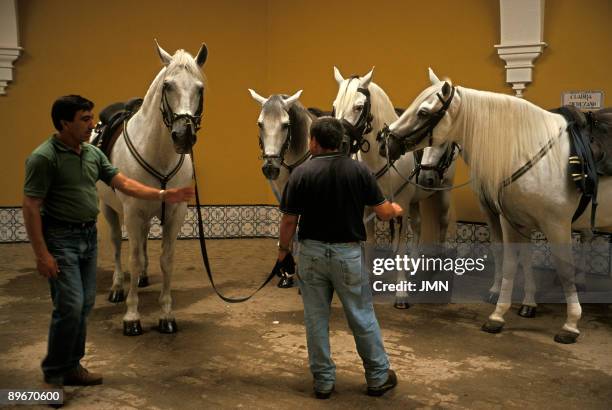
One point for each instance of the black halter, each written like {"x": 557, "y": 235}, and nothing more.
{"x": 281, "y": 155}
{"x": 443, "y": 164}
{"x": 357, "y": 132}
{"x": 414, "y": 138}
{"x": 169, "y": 117}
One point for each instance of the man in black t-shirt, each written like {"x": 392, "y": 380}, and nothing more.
{"x": 328, "y": 195}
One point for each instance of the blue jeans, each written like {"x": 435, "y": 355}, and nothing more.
{"x": 73, "y": 293}
{"x": 324, "y": 268}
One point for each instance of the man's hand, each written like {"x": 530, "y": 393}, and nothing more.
{"x": 285, "y": 266}
{"x": 174, "y": 195}
{"x": 397, "y": 209}
{"x": 47, "y": 266}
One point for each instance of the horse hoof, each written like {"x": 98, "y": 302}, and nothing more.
{"x": 401, "y": 305}
{"x": 143, "y": 281}
{"x": 566, "y": 337}
{"x": 492, "y": 326}
{"x": 493, "y": 298}
{"x": 286, "y": 282}
{"x": 116, "y": 296}
{"x": 132, "y": 328}
{"x": 527, "y": 311}
{"x": 167, "y": 326}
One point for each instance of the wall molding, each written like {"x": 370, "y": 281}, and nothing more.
{"x": 9, "y": 42}
{"x": 522, "y": 35}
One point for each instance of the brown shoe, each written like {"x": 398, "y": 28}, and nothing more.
{"x": 80, "y": 376}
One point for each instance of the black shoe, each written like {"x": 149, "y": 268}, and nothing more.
{"x": 386, "y": 386}
{"x": 324, "y": 394}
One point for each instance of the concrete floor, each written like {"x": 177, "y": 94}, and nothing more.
{"x": 238, "y": 356}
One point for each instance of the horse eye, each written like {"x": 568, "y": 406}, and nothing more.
{"x": 358, "y": 107}
{"x": 285, "y": 125}
{"x": 422, "y": 113}
{"x": 260, "y": 124}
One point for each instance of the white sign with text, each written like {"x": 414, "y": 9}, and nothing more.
{"x": 584, "y": 100}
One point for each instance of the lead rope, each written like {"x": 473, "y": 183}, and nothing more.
{"x": 202, "y": 241}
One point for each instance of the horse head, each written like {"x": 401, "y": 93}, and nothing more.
{"x": 424, "y": 124}
{"x": 274, "y": 130}
{"x": 182, "y": 96}
{"x": 353, "y": 106}
{"x": 434, "y": 164}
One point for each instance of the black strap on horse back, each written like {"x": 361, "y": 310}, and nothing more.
{"x": 582, "y": 167}
{"x": 206, "y": 261}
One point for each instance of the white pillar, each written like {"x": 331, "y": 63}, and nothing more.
{"x": 522, "y": 35}
{"x": 9, "y": 42}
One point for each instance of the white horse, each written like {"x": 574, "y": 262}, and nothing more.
{"x": 501, "y": 135}
{"x": 365, "y": 109}
{"x": 152, "y": 150}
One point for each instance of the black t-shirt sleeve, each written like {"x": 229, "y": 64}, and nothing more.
{"x": 291, "y": 201}
{"x": 373, "y": 194}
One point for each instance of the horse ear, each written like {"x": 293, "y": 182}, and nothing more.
{"x": 446, "y": 89}
{"x": 433, "y": 77}
{"x": 163, "y": 55}
{"x": 290, "y": 100}
{"x": 365, "y": 80}
{"x": 202, "y": 55}
{"x": 258, "y": 97}
{"x": 338, "y": 76}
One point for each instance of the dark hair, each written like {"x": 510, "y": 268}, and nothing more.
{"x": 328, "y": 131}
{"x": 65, "y": 108}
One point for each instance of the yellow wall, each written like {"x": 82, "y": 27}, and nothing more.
{"x": 278, "y": 46}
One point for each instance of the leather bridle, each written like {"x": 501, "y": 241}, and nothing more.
{"x": 281, "y": 155}
{"x": 169, "y": 117}
{"x": 441, "y": 166}
{"x": 414, "y": 138}
{"x": 362, "y": 127}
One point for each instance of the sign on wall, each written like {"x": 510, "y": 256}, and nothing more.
{"x": 584, "y": 100}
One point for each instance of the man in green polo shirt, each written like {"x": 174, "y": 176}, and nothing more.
{"x": 60, "y": 208}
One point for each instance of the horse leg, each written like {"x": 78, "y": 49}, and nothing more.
{"x": 136, "y": 234}
{"x": 495, "y": 323}
{"x": 117, "y": 293}
{"x": 167, "y": 322}
{"x": 586, "y": 237}
{"x": 529, "y": 305}
{"x": 444, "y": 199}
{"x": 143, "y": 277}
{"x": 401, "y": 296}
{"x": 559, "y": 236}
{"x": 493, "y": 221}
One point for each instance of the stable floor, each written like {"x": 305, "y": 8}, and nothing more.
{"x": 253, "y": 354}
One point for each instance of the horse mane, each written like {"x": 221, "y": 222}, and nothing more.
{"x": 381, "y": 106}
{"x": 502, "y": 133}
{"x": 300, "y": 126}
{"x": 181, "y": 60}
